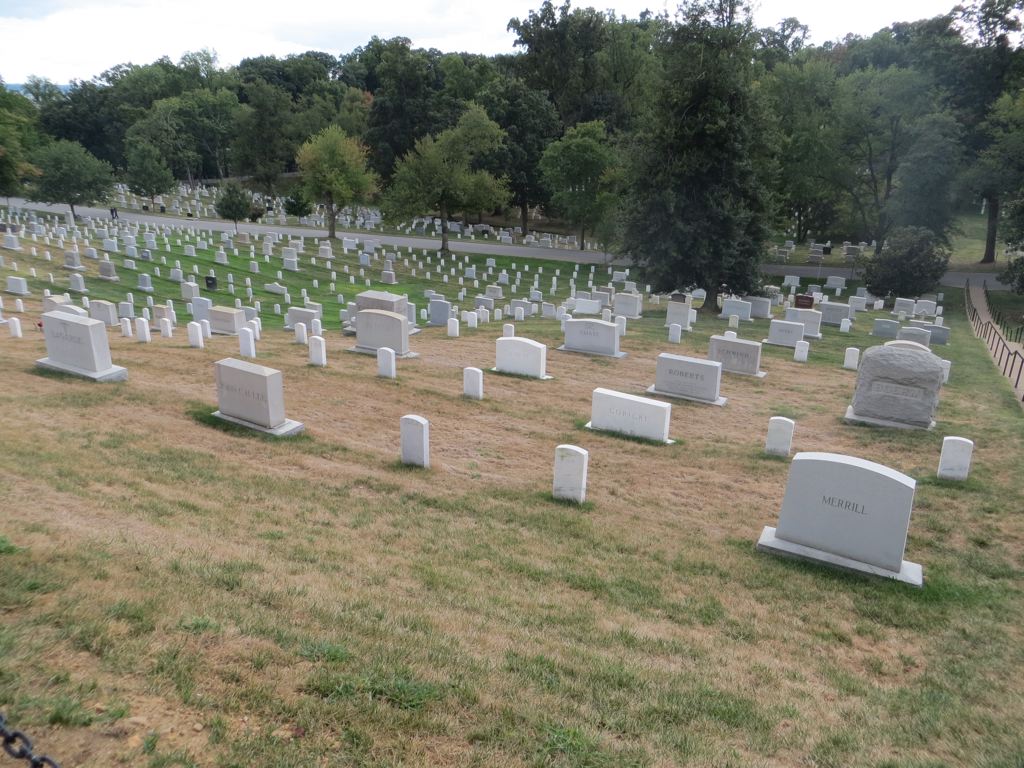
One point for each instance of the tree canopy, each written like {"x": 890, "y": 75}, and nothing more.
{"x": 334, "y": 172}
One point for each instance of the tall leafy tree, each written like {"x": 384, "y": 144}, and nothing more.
{"x": 69, "y": 173}
{"x": 147, "y": 173}
{"x": 887, "y": 121}
{"x": 443, "y": 173}
{"x": 530, "y": 122}
{"x": 19, "y": 135}
{"x": 574, "y": 169}
{"x": 697, "y": 209}
{"x": 233, "y": 203}
{"x": 264, "y": 142}
{"x": 334, "y": 172}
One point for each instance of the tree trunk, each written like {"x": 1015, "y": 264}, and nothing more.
{"x": 444, "y": 227}
{"x": 583, "y": 232}
{"x": 72, "y": 206}
{"x": 332, "y": 220}
{"x": 524, "y": 213}
{"x": 992, "y": 229}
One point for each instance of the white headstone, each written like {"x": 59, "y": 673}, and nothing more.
{"x": 386, "y": 363}
{"x": 79, "y": 346}
{"x": 955, "y": 460}
{"x": 688, "y": 378}
{"x": 780, "y": 436}
{"x": 253, "y": 396}
{"x": 317, "y": 351}
{"x": 629, "y": 415}
{"x": 415, "y": 437}
{"x": 848, "y": 513}
{"x": 570, "y": 473}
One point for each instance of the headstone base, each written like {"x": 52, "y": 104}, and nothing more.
{"x": 856, "y": 418}
{"x": 758, "y": 375}
{"x": 909, "y": 573}
{"x": 670, "y": 441}
{"x": 776, "y": 344}
{"x": 108, "y": 279}
{"x": 564, "y": 348}
{"x": 286, "y": 429}
{"x": 545, "y": 377}
{"x": 113, "y": 373}
{"x": 720, "y": 401}
{"x": 371, "y": 351}
{"x": 73, "y": 269}
{"x": 18, "y": 293}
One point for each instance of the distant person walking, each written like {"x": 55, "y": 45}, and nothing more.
{"x": 113, "y": 212}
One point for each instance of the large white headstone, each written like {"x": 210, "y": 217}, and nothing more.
{"x": 253, "y": 396}
{"x": 592, "y": 337}
{"x": 897, "y": 387}
{"x": 79, "y": 346}
{"x": 846, "y": 512}
{"x": 688, "y": 378}
{"x": 521, "y": 357}
{"x": 736, "y": 355}
{"x": 376, "y": 328}
{"x": 626, "y": 414}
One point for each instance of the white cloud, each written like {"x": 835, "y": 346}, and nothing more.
{"x": 79, "y": 39}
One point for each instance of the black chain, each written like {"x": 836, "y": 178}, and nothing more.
{"x": 19, "y": 746}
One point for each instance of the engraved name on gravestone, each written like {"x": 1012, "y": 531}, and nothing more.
{"x": 736, "y": 355}
{"x": 897, "y": 387}
{"x": 688, "y": 378}
{"x": 593, "y": 337}
{"x": 848, "y": 513}
{"x": 629, "y": 415}
{"x": 79, "y": 346}
{"x": 253, "y": 396}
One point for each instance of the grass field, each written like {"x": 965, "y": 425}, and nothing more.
{"x": 967, "y": 246}
{"x": 175, "y": 593}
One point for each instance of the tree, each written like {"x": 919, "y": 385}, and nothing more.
{"x": 148, "y": 174}
{"x": 263, "y": 138}
{"x": 912, "y": 262}
{"x": 530, "y": 122}
{"x": 888, "y": 122}
{"x": 18, "y": 136}
{"x": 233, "y": 203}
{"x": 573, "y": 169}
{"x": 697, "y": 207}
{"x": 442, "y": 173}
{"x": 1013, "y": 275}
{"x": 70, "y": 174}
{"x": 334, "y": 172}
{"x": 297, "y": 205}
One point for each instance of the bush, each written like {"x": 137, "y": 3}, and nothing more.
{"x": 911, "y": 263}
{"x": 257, "y": 212}
{"x": 1013, "y": 276}
{"x": 298, "y": 205}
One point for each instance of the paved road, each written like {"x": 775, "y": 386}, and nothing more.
{"x": 951, "y": 279}
{"x": 429, "y": 243}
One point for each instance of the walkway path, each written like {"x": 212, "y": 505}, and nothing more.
{"x": 998, "y": 351}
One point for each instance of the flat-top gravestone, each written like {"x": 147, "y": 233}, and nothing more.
{"x": 440, "y": 311}
{"x": 833, "y": 313}
{"x": 906, "y": 306}
{"x": 760, "y": 307}
{"x": 784, "y": 333}
{"x": 389, "y": 302}
{"x": 736, "y": 355}
{"x": 226, "y": 321}
{"x": 629, "y": 305}
{"x": 688, "y": 378}
{"x": 79, "y": 346}
{"x": 885, "y": 329}
{"x": 592, "y": 337}
{"x": 848, "y": 513}
{"x": 678, "y": 313}
{"x": 630, "y": 415}
{"x": 104, "y": 311}
{"x": 252, "y": 396}
{"x": 736, "y": 307}
{"x": 897, "y": 387}
{"x": 376, "y": 328}
{"x": 521, "y": 357}
{"x": 587, "y": 307}
{"x": 920, "y": 335}
{"x": 17, "y": 286}
{"x": 811, "y": 318}
{"x": 296, "y": 315}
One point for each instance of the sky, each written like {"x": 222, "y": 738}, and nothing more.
{"x": 78, "y": 39}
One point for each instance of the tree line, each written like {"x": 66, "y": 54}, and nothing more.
{"x": 687, "y": 142}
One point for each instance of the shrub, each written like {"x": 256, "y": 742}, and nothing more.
{"x": 911, "y": 263}
{"x": 298, "y": 205}
{"x": 1013, "y": 276}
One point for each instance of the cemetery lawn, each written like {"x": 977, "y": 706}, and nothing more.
{"x": 176, "y": 594}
